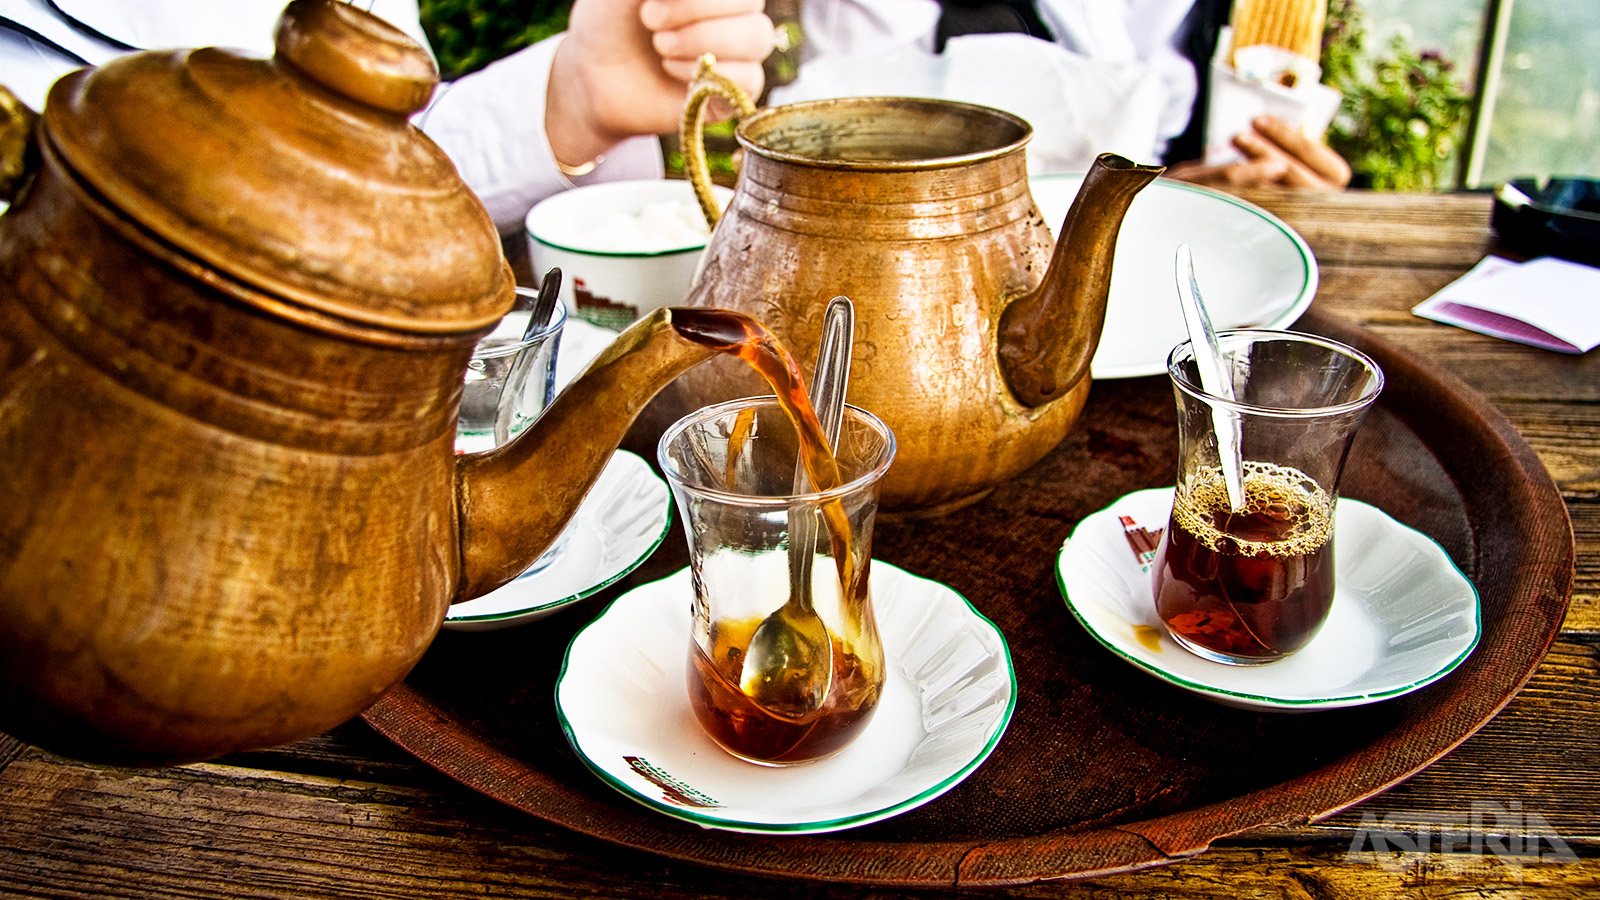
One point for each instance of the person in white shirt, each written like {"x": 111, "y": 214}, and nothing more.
{"x": 583, "y": 106}
{"x": 1088, "y": 75}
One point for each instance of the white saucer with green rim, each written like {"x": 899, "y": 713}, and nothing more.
{"x": 621, "y": 522}
{"x": 1403, "y": 615}
{"x": 623, "y": 702}
{"x": 1258, "y": 272}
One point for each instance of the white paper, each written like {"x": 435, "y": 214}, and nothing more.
{"x": 1239, "y": 96}
{"x": 1546, "y": 302}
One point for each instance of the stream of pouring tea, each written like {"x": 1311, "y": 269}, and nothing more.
{"x": 735, "y": 720}
{"x": 739, "y": 335}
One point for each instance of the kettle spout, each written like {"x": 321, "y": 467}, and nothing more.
{"x": 1048, "y": 338}
{"x": 513, "y": 501}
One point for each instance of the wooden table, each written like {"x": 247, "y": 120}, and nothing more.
{"x": 348, "y": 814}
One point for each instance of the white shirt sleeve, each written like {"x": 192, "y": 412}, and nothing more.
{"x": 491, "y": 123}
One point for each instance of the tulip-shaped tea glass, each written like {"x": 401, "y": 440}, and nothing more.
{"x": 510, "y": 378}
{"x": 509, "y": 381}
{"x": 1255, "y": 584}
{"x": 732, "y": 471}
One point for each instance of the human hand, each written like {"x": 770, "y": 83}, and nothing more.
{"x": 1276, "y": 155}
{"x": 624, "y": 67}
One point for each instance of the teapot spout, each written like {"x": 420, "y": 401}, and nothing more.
{"x": 1048, "y": 338}
{"x": 513, "y": 501}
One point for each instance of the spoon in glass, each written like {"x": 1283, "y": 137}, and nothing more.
{"x": 1214, "y": 377}
{"x": 788, "y": 665}
{"x": 543, "y": 306}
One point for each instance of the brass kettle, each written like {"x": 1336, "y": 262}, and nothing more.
{"x": 237, "y": 298}
{"x": 974, "y": 329}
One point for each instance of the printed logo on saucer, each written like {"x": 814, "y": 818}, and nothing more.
{"x": 1143, "y": 541}
{"x": 672, "y": 790}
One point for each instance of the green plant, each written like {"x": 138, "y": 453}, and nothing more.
{"x": 469, "y": 34}
{"x": 1402, "y": 115}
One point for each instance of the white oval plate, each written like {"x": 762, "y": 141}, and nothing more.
{"x": 620, "y": 523}
{"x": 1254, "y": 270}
{"x": 624, "y": 706}
{"x": 1403, "y": 615}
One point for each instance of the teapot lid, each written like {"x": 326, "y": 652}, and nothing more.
{"x": 299, "y": 176}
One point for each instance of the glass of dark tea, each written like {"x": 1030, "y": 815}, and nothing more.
{"x": 1254, "y": 584}
{"x": 785, "y": 662}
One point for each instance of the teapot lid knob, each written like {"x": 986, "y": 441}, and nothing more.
{"x": 360, "y": 56}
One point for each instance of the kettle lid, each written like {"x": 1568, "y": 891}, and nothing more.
{"x": 299, "y": 176}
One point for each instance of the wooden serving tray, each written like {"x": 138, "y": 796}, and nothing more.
{"x": 1103, "y": 768}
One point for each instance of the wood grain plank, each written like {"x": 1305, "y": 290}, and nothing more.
{"x": 1567, "y": 438}
{"x": 1365, "y": 294}
{"x": 1536, "y": 756}
{"x": 214, "y": 832}
{"x": 1337, "y": 873}
{"x": 1583, "y": 613}
{"x": 1361, "y": 228}
{"x": 10, "y": 748}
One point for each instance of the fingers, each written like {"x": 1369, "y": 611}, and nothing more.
{"x": 1263, "y": 172}
{"x": 1313, "y": 165}
{"x": 1255, "y": 171}
{"x": 670, "y": 15}
{"x": 1275, "y": 155}
{"x": 1239, "y": 175}
{"x": 1272, "y": 166}
{"x": 743, "y": 38}
{"x": 615, "y": 76}
{"x": 749, "y": 76}
{"x": 736, "y": 32}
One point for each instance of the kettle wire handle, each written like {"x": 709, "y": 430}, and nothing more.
{"x": 706, "y": 84}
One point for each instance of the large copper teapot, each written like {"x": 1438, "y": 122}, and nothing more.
{"x": 974, "y": 329}
{"x": 237, "y": 297}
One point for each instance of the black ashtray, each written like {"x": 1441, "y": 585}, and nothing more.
{"x": 1558, "y": 217}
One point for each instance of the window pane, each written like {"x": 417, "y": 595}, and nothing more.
{"x": 1547, "y": 114}
{"x": 1454, "y": 27}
